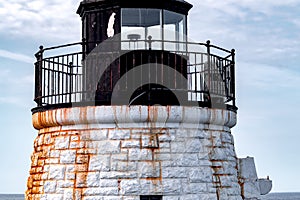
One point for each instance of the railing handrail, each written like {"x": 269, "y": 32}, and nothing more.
{"x": 207, "y": 44}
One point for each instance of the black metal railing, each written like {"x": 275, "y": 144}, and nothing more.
{"x": 60, "y": 77}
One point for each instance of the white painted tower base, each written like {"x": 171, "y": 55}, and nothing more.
{"x": 121, "y": 152}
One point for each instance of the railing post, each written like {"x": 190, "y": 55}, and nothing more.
{"x": 150, "y": 42}
{"x": 38, "y": 76}
{"x": 233, "y": 76}
{"x": 83, "y": 86}
{"x": 209, "y": 65}
{"x": 83, "y": 48}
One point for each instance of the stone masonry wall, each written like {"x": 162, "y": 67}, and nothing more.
{"x": 120, "y": 152}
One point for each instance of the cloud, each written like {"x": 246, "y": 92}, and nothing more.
{"x": 16, "y": 56}
{"x": 238, "y": 8}
{"x": 40, "y": 19}
{"x": 261, "y": 32}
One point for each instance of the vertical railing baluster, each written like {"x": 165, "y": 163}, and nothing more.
{"x": 75, "y": 76}
{"x": 71, "y": 81}
{"x": 73, "y": 63}
{"x": 49, "y": 89}
{"x": 70, "y": 76}
{"x": 195, "y": 81}
{"x": 45, "y": 89}
{"x": 209, "y": 65}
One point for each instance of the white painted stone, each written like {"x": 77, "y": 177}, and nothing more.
{"x": 68, "y": 156}
{"x": 200, "y": 175}
{"x": 93, "y": 198}
{"x": 68, "y": 194}
{"x": 234, "y": 190}
{"x": 65, "y": 184}
{"x": 139, "y": 154}
{"x": 99, "y": 163}
{"x": 49, "y": 187}
{"x": 97, "y": 135}
{"x": 234, "y": 198}
{"x": 164, "y": 138}
{"x": 117, "y": 175}
{"x": 149, "y": 169}
{"x": 251, "y": 190}
{"x": 227, "y": 181}
{"x": 202, "y": 196}
{"x": 111, "y": 114}
{"x": 164, "y": 145}
{"x": 247, "y": 168}
{"x": 193, "y": 145}
{"x": 185, "y": 160}
{"x": 76, "y": 145}
{"x": 120, "y": 157}
{"x": 178, "y": 147}
{"x": 105, "y": 147}
{"x": 150, "y": 141}
{"x": 52, "y": 197}
{"x": 108, "y": 183}
{"x": 46, "y": 168}
{"x": 126, "y": 162}
{"x": 55, "y": 153}
{"x": 62, "y": 142}
{"x": 57, "y": 172}
{"x": 44, "y": 176}
{"x": 227, "y": 137}
{"x": 224, "y": 154}
{"x": 229, "y": 167}
{"x": 119, "y": 134}
{"x": 216, "y": 141}
{"x": 174, "y": 172}
{"x": 124, "y": 166}
{"x": 171, "y": 186}
{"x": 70, "y": 176}
{"x": 131, "y": 198}
{"x": 194, "y": 188}
{"x": 93, "y": 179}
{"x": 70, "y": 168}
{"x": 171, "y": 197}
{"x": 162, "y": 156}
{"x": 129, "y": 187}
{"x": 200, "y": 134}
{"x": 101, "y": 191}
{"x": 131, "y": 144}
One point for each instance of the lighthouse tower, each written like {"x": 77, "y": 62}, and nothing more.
{"x": 135, "y": 111}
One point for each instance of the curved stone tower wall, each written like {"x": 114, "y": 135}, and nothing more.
{"x": 121, "y": 152}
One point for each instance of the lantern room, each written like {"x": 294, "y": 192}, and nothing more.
{"x": 137, "y": 21}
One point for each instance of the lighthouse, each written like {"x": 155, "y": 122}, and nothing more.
{"x": 136, "y": 110}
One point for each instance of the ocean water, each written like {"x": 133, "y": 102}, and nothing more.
{"x": 272, "y": 196}
{"x": 11, "y": 197}
{"x": 282, "y": 196}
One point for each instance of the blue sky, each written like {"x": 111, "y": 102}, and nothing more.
{"x": 265, "y": 35}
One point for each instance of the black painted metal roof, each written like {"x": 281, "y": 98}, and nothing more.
{"x": 179, "y": 6}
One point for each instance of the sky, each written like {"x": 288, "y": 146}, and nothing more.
{"x": 265, "y": 34}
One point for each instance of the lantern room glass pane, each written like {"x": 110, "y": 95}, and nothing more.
{"x": 174, "y": 30}
{"x": 137, "y": 25}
